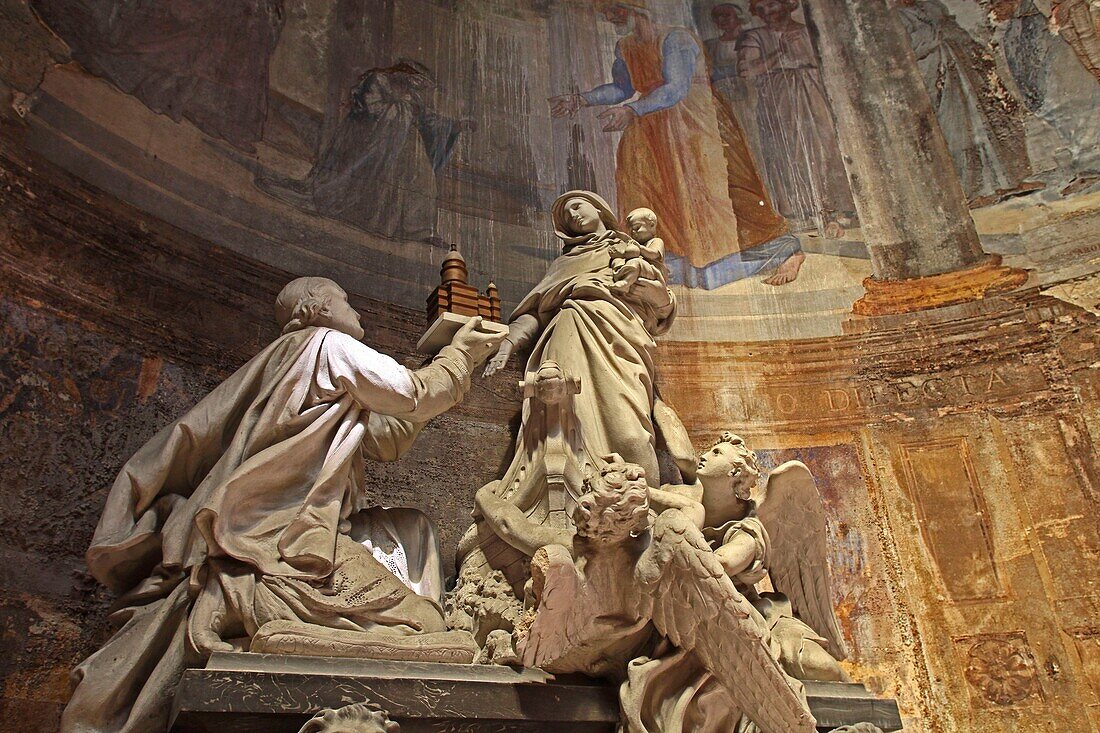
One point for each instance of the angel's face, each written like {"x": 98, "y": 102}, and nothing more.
{"x": 726, "y": 462}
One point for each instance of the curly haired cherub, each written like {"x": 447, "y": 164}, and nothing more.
{"x": 781, "y": 534}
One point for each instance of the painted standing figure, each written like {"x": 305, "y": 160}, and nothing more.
{"x": 378, "y": 172}
{"x": 684, "y": 154}
{"x": 804, "y": 168}
{"x": 725, "y": 73}
{"x": 981, "y": 122}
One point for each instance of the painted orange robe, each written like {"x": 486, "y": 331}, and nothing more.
{"x": 691, "y": 164}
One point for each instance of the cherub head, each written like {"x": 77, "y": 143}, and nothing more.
{"x": 358, "y": 718}
{"x": 643, "y": 224}
{"x": 316, "y": 301}
{"x": 615, "y": 504}
{"x": 729, "y": 464}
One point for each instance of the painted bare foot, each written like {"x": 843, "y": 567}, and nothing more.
{"x": 788, "y": 270}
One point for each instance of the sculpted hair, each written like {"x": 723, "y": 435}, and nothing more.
{"x": 615, "y": 505}
{"x": 747, "y": 456}
{"x": 647, "y": 215}
{"x": 299, "y": 303}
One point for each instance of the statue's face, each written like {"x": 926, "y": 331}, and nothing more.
{"x": 583, "y": 217}
{"x": 641, "y": 228}
{"x": 725, "y": 462}
{"x": 726, "y": 18}
{"x": 339, "y": 314}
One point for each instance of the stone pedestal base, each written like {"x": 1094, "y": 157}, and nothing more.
{"x": 262, "y": 693}
{"x": 887, "y": 297}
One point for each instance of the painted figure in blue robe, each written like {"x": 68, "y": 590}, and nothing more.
{"x": 684, "y": 154}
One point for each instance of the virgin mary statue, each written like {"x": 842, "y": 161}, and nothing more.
{"x": 599, "y": 343}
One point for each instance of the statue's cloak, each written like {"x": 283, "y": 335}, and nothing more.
{"x": 260, "y": 470}
{"x": 237, "y": 515}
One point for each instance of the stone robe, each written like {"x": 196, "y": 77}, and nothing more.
{"x": 606, "y": 342}
{"x": 234, "y": 516}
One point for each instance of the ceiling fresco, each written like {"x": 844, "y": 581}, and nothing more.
{"x": 360, "y": 139}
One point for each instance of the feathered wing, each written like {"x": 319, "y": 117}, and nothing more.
{"x": 694, "y": 604}
{"x": 558, "y": 627}
{"x": 794, "y": 515}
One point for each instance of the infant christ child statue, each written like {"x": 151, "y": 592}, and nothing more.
{"x": 641, "y": 258}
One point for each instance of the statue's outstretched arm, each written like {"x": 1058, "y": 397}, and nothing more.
{"x": 521, "y": 332}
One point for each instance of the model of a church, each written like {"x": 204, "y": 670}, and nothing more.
{"x": 455, "y": 301}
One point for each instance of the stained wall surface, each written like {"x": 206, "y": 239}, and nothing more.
{"x": 167, "y": 167}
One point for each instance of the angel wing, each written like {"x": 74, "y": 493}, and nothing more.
{"x": 580, "y": 626}
{"x": 794, "y": 515}
{"x": 556, "y": 629}
{"x": 694, "y": 604}
{"x": 676, "y": 439}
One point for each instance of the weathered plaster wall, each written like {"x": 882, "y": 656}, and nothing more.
{"x": 956, "y": 451}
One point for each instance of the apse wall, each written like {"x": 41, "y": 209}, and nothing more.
{"x": 167, "y": 167}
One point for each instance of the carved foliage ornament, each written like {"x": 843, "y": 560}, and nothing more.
{"x": 1002, "y": 670}
{"x": 358, "y": 718}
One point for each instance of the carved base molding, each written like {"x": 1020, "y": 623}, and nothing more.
{"x": 250, "y": 693}
{"x": 887, "y": 297}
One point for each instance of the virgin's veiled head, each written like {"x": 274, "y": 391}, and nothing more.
{"x": 580, "y": 216}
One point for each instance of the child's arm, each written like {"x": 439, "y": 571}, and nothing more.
{"x": 738, "y": 554}
{"x": 684, "y": 498}
{"x": 653, "y": 250}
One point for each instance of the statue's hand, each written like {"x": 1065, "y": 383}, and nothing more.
{"x": 478, "y": 344}
{"x": 566, "y": 105}
{"x": 500, "y": 360}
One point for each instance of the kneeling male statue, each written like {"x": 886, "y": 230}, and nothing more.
{"x": 239, "y": 526}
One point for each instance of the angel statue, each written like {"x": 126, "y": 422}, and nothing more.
{"x": 651, "y": 597}
{"x": 780, "y": 534}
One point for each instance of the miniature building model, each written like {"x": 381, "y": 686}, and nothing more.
{"x": 456, "y": 295}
